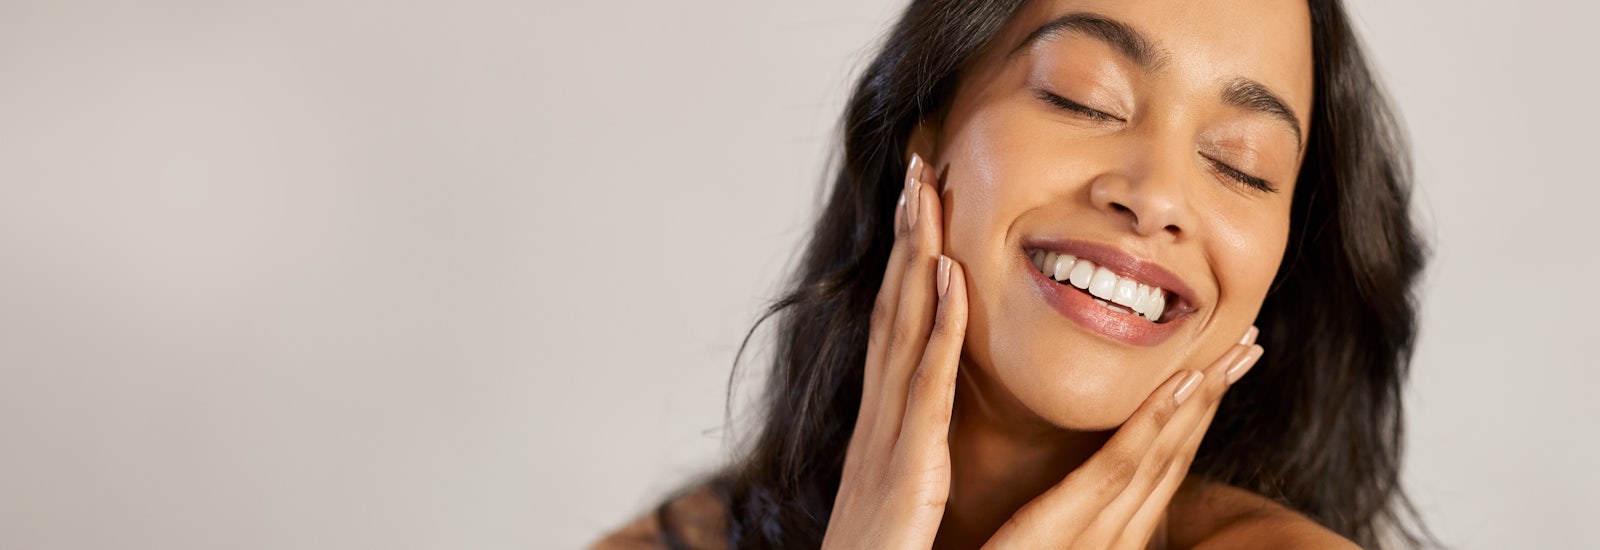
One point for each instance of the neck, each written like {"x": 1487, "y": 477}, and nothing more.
{"x": 1001, "y": 457}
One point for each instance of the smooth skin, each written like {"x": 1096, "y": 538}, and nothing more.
{"x": 897, "y": 473}
{"x": 988, "y": 420}
{"x": 1142, "y": 157}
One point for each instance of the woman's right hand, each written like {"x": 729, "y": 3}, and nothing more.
{"x": 897, "y": 469}
{"x": 896, "y": 476}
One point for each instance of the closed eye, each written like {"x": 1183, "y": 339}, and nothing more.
{"x": 1241, "y": 177}
{"x": 1075, "y": 107}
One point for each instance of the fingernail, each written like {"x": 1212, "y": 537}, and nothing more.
{"x": 913, "y": 190}
{"x": 1187, "y": 387}
{"x": 944, "y": 274}
{"x": 913, "y": 169}
{"x": 1249, "y": 336}
{"x": 900, "y": 210}
{"x": 1238, "y": 369}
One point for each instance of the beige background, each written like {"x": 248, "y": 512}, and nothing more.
{"x": 470, "y": 274}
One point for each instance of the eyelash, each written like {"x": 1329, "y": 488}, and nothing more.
{"x": 1241, "y": 177}
{"x": 1075, "y": 107}
{"x": 1227, "y": 171}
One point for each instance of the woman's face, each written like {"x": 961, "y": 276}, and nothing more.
{"x": 1158, "y": 143}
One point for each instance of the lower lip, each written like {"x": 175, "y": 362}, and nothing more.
{"x": 1085, "y": 310}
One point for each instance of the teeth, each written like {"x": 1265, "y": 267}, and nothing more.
{"x": 1112, "y": 307}
{"x": 1063, "y": 266}
{"x": 1126, "y": 292}
{"x": 1142, "y": 302}
{"x": 1103, "y": 283}
{"x": 1138, "y": 298}
{"x": 1081, "y": 273}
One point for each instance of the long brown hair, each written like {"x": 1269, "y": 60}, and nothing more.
{"x": 1316, "y": 426}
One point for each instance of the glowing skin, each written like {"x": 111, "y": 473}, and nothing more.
{"x": 1017, "y": 167}
{"x": 1149, "y": 165}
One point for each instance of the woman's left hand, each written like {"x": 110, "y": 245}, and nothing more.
{"x": 1126, "y": 486}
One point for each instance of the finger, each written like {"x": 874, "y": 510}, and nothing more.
{"x": 1148, "y": 518}
{"x": 1088, "y": 498}
{"x": 1062, "y": 514}
{"x": 885, "y": 306}
{"x": 931, "y": 393}
{"x": 917, "y": 300}
{"x": 1172, "y": 450}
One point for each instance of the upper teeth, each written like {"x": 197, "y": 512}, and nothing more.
{"x": 1147, "y": 300}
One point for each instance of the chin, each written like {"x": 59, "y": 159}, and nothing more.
{"x": 1076, "y": 384}
{"x": 1057, "y": 376}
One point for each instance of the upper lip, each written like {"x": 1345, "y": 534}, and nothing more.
{"x": 1123, "y": 264}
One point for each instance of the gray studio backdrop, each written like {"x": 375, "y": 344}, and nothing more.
{"x": 470, "y": 274}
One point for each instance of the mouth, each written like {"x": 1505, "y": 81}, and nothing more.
{"x": 1109, "y": 291}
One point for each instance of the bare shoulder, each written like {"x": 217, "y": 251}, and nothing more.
{"x": 697, "y": 519}
{"x": 1212, "y": 515}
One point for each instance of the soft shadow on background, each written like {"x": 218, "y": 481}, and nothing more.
{"x": 471, "y": 274}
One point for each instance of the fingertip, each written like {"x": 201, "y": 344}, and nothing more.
{"x": 900, "y": 215}
{"x": 952, "y": 288}
{"x": 951, "y": 275}
{"x": 1238, "y": 369}
{"x": 924, "y": 171}
{"x": 1186, "y": 387}
{"x": 944, "y": 274}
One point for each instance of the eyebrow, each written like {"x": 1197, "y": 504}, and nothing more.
{"x": 1240, "y": 92}
{"x": 1122, "y": 37}
{"x": 1253, "y": 96}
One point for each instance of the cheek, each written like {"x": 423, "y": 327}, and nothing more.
{"x": 996, "y": 170}
{"x": 982, "y": 196}
{"x": 1247, "y": 251}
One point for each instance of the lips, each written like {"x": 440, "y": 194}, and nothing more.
{"x": 1108, "y": 291}
{"x": 1145, "y": 300}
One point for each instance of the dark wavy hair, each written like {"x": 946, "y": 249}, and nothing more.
{"x": 1317, "y": 426}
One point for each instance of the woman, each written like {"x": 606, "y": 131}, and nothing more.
{"x": 1040, "y": 268}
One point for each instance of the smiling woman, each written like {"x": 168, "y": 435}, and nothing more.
{"x": 1042, "y": 265}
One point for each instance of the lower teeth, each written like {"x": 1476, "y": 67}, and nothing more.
{"x": 1118, "y": 309}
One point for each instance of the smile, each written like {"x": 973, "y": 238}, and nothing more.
{"x": 1108, "y": 291}
{"x": 1145, "y": 300}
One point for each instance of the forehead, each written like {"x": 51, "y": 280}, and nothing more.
{"x": 1204, "y": 43}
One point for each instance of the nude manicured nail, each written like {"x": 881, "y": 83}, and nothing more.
{"x": 1237, "y": 370}
{"x": 900, "y": 210}
{"x": 1187, "y": 387}
{"x": 913, "y": 192}
{"x": 1249, "y": 336}
{"x": 944, "y": 274}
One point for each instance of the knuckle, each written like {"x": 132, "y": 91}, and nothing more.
{"x": 899, "y": 336}
{"x": 922, "y": 385}
{"x": 1118, "y": 470}
{"x": 882, "y": 309}
{"x": 948, "y": 325}
{"x": 914, "y": 389}
{"x": 912, "y": 245}
{"x": 1161, "y": 415}
{"x": 1214, "y": 387}
{"x": 916, "y": 283}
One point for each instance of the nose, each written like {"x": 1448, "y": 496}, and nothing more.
{"x": 1151, "y": 202}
